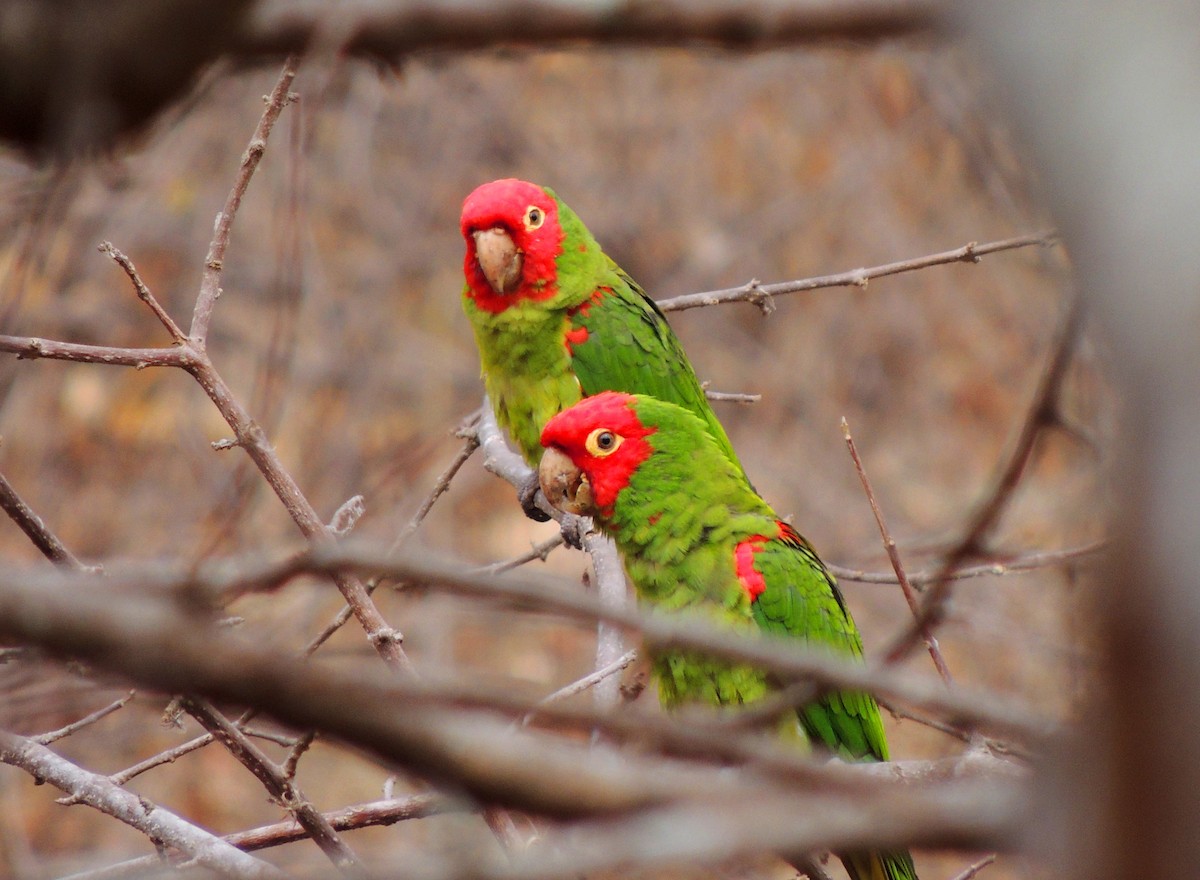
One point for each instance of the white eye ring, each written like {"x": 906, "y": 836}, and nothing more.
{"x": 534, "y": 217}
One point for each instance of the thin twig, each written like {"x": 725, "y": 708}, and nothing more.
{"x": 143, "y": 292}
{"x": 36, "y": 529}
{"x": 156, "y": 822}
{"x": 32, "y": 347}
{"x": 730, "y": 396}
{"x": 1017, "y": 564}
{"x": 214, "y": 261}
{"x": 440, "y": 487}
{"x": 972, "y": 870}
{"x": 46, "y": 738}
{"x": 761, "y": 294}
{"x": 166, "y": 757}
{"x": 376, "y": 813}
{"x": 1043, "y": 413}
{"x": 889, "y": 545}
{"x": 537, "y": 551}
{"x": 276, "y": 782}
{"x": 580, "y": 685}
{"x": 301, "y": 746}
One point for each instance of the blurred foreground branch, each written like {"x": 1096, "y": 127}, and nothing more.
{"x": 152, "y": 820}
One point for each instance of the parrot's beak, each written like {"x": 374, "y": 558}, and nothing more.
{"x": 499, "y": 258}
{"x": 565, "y": 486}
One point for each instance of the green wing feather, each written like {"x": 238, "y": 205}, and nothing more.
{"x": 630, "y": 347}
{"x": 679, "y": 524}
{"x": 802, "y": 600}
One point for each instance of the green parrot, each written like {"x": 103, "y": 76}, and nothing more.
{"x": 556, "y": 320}
{"x": 695, "y": 536}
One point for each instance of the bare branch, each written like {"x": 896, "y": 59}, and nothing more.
{"x": 582, "y": 684}
{"x": 732, "y": 396}
{"x": 143, "y": 292}
{"x": 398, "y": 29}
{"x": 89, "y": 619}
{"x": 157, "y": 823}
{"x": 610, "y": 575}
{"x": 377, "y": 813}
{"x": 1043, "y": 413}
{"x": 36, "y": 529}
{"x": 276, "y": 782}
{"x": 46, "y": 738}
{"x": 974, "y": 869}
{"x": 214, "y": 262}
{"x": 32, "y": 348}
{"x": 889, "y": 545}
{"x": 439, "y": 489}
{"x": 1017, "y": 564}
{"x": 761, "y": 294}
{"x": 537, "y": 551}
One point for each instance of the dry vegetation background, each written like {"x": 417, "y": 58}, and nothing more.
{"x": 340, "y": 327}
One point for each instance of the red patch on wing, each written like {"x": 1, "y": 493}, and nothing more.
{"x": 503, "y": 203}
{"x": 743, "y": 559}
{"x": 575, "y": 337}
{"x": 586, "y": 306}
{"x": 613, "y": 411}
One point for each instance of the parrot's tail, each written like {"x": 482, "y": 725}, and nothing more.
{"x": 879, "y": 866}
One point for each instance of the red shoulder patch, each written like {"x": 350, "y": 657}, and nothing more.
{"x": 750, "y": 577}
{"x": 575, "y": 337}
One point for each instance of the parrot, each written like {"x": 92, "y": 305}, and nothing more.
{"x": 556, "y": 320}
{"x": 695, "y": 536}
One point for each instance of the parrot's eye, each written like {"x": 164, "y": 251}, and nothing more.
{"x": 602, "y": 442}
{"x": 534, "y": 217}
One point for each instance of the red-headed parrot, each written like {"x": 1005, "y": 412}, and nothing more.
{"x": 556, "y": 320}
{"x": 695, "y": 536}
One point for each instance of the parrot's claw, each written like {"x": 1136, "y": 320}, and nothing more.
{"x": 573, "y": 529}
{"x": 527, "y": 494}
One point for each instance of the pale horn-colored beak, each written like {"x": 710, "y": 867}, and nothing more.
{"x": 565, "y": 486}
{"x": 498, "y": 258}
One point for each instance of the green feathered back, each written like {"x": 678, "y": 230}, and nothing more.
{"x": 678, "y": 524}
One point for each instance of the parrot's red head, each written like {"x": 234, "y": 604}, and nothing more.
{"x": 591, "y": 451}
{"x": 513, "y": 237}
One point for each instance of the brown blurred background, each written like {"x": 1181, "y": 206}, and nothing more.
{"x": 341, "y": 329}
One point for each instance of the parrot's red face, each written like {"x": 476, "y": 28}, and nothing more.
{"x": 591, "y": 451}
{"x": 513, "y": 237}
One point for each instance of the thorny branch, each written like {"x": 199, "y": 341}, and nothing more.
{"x": 1017, "y": 564}
{"x": 761, "y": 294}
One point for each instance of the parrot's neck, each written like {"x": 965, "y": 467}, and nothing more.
{"x": 678, "y": 521}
